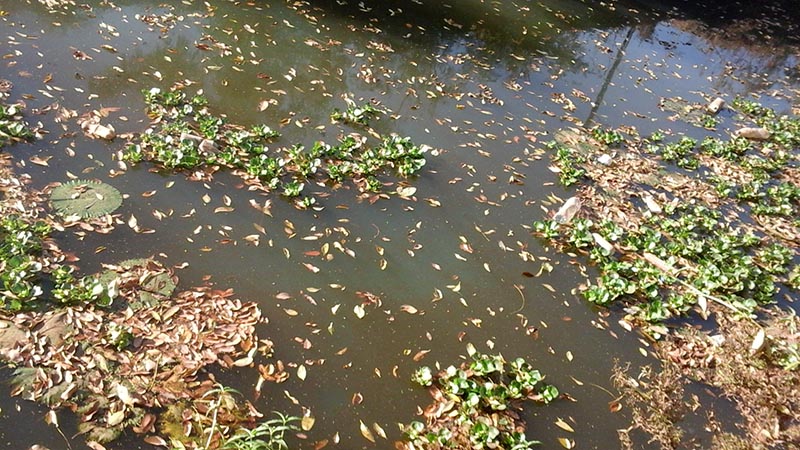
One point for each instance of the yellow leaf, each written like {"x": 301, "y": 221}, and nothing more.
{"x": 564, "y": 425}
{"x": 243, "y": 362}
{"x": 124, "y": 395}
{"x": 758, "y": 341}
{"x": 379, "y": 430}
{"x": 359, "y": 310}
{"x": 115, "y": 418}
{"x": 307, "y": 423}
{"x": 365, "y": 432}
{"x": 566, "y": 443}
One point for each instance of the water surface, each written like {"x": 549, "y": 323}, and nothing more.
{"x": 483, "y": 83}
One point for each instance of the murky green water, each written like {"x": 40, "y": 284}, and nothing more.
{"x": 485, "y": 83}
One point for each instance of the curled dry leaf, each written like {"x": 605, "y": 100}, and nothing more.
{"x": 420, "y": 354}
{"x": 409, "y": 309}
{"x": 156, "y": 440}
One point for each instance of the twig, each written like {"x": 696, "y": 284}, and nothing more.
{"x": 699, "y": 292}
{"x": 604, "y": 390}
{"x": 213, "y": 422}
{"x": 58, "y": 428}
{"x": 523, "y": 299}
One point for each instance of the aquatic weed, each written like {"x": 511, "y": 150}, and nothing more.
{"x": 484, "y": 389}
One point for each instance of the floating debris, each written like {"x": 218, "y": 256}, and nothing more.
{"x": 154, "y": 283}
{"x": 754, "y": 133}
{"x": 715, "y": 105}
{"x": 568, "y": 210}
{"x": 85, "y": 198}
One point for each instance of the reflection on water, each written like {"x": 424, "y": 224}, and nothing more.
{"x": 483, "y": 82}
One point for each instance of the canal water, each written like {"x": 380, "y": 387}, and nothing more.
{"x": 484, "y": 83}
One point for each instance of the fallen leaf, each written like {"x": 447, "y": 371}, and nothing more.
{"x": 124, "y": 395}
{"x": 409, "y": 309}
{"x": 156, "y": 440}
{"x": 359, "y": 310}
{"x": 115, "y": 418}
{"x": 406, "y": 191}
{"x": 758, "y": 341}
{"x": 365, "y": 432}
{"x": 566, "y": 443}
{"x": 378, "y": 430}
{"x": 40, "y": 161}
{"x": 420, "y": 354}
{"x": 307, "y": 423}
{"x": 564, "y": 425}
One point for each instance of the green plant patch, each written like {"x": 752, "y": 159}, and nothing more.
{"x": 267, "y": 435}
{"x": 659, "y": 237}
{"x": 20, "y": 261}
{"x": 356, "y": 114}
{"x": 475, "y": 404}
{"x": 187, "y": 136}
{"x": 85, "y": 198}
{"x": 12, "y": 126}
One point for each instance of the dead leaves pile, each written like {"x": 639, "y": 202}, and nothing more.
{"x": 124, "y": 364}
{"x": 16, "y": 198}
{"x": 766, "y": 395}
{"x": 116, "y": 366}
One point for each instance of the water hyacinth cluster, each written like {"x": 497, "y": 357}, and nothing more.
{"x": 723, "y": 231}
{"x": 12, "y": 127}
{"x": 475, "y": 404}
{"x": 186, "y": 136}
{"x": 20, "y": 248}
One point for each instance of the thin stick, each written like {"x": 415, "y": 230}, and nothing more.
{"x": 62, "y": 435}
{"x": 213, "y": 421}
{"x": 523, "y": 299}
{"x": 699, "y": 292}
{"x": 604, "y": 390}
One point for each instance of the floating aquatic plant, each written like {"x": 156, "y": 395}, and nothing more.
{"x": 474, "y": 404}
{"x": 357, "y": 114}
{"x": 187, "y": 136}
{"x": 668, "y": 259}
{"x": 20, "y": 248}
{"x": 85, "y": 198}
